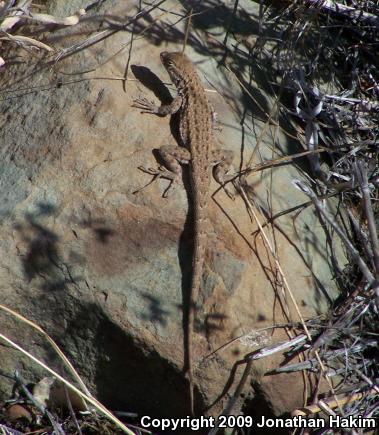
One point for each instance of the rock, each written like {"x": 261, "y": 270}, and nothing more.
{"x": 103, "y": 270}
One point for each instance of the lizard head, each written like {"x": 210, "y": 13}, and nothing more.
{"x": 177, "y": 65}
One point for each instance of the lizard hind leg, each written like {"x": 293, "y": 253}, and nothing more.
{"x": 172, "y": 157}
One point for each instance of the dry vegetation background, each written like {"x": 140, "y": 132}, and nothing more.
{"x": 325, "y": 77}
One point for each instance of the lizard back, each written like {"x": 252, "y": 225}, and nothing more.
{"x": 195, "y": 125}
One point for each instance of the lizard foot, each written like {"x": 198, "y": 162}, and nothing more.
{"x": 238, "y": 184}
{"x": 160, "y": 172}
{"x": 145, "y": 105}
{"x": 231, "y": 195}
{"x": 237, "y": 181}
{"x": 227, "y": 189}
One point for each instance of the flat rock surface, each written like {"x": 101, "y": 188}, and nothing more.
{"x": 104, "y": 269}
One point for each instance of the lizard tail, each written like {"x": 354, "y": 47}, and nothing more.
{"x": 200, "y": 217}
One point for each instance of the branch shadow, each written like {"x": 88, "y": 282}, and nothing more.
{"x": 43, "y": 257}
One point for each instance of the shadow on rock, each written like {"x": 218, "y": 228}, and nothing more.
{"x": 129, "y": 375}
{"x": 42, "y": 258}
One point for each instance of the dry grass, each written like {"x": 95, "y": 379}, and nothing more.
{"x": 325, "y": 60}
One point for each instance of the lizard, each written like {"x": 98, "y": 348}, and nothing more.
{"x": 196, "y": 118}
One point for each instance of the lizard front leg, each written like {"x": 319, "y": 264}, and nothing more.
{"x": 171, "y": 155}
{"x": 147, "y": 106}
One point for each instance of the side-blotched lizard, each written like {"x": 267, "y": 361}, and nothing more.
{"x": 196, "y": 143}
